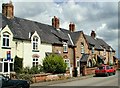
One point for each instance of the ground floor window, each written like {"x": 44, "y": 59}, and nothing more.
{"x": 77, "y": 63}
{"x": 5, "y": 65}
{"x": 89, "y": 64}
{"x": 35, "y": 62}
{"x": 67, "y": 61}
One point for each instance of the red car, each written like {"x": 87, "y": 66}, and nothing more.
{"x": 105, "y": 70}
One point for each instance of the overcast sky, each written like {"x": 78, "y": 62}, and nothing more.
{"x": 101, "y": 16}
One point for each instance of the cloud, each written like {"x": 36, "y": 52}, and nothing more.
{"x": 99, "y": 16}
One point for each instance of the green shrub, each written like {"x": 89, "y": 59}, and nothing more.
{"x": 32, "y": 70}
{"x": 25, "y": 77}
{"x": 54, "y": 64}
{"x": 18, "y": 64}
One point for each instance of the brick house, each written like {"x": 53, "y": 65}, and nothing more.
{"x": 90, "y": 51}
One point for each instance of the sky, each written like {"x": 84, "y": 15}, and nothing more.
{"x": 87, "y": 15}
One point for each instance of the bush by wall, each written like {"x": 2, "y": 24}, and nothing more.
{"x": 54, "y": 64}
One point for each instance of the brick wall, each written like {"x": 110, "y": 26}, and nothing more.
{"x": 68, "y": 55}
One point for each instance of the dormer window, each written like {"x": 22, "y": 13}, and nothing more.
{"x": 82, "y": 48}
{"x": 6, "y": 41}
{"x": 35, "y": 43}
{"x": 65, "y": 47}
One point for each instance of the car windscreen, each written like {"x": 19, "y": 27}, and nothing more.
{"x": 101, "y": 68}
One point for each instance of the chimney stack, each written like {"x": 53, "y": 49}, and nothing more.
{"x": 8, "y": 10}
{"x": 55, "y": 22}
{"x": 93, "y": 34}
{"x": 72, "y": 27}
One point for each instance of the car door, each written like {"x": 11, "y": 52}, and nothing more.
{"x": 6, "y": 83}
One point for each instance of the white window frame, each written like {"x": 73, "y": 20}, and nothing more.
{"x": 104, "y": 52}
{"x": 77, "y": 61}
{"x": 65, "y": 47}
{"x": 67, "y": 61}
{"x": 93, "y": 50}
{"x": 35, "y": 43}
{"x": 6, "y": 43}
{"x": 82, "y": 48}
{"x": 35, "y": 61}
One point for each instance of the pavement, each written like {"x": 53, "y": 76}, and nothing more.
{"x": 61, "y": 81}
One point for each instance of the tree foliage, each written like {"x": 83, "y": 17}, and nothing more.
{"x": 54, "y": 64}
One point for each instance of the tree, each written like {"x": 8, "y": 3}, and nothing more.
{"x": 18, "y": 64}
{"x": 54, "y": 64}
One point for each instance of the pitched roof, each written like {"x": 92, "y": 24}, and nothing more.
{"x": 93, "y": 42}
{"x": 104, "y": 44}
{"x": 75, "y": 36}
{"x": 22, "y": 27}
{"x": 98, "y": 43}
{"x": 84, "y": 58}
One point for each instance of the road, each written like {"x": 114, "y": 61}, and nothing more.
{"x": 94, "y": 81}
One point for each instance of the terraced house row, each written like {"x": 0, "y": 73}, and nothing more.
{"x": 33, "y": 40}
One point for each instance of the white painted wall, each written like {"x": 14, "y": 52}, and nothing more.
{"x": 23, "y": 49}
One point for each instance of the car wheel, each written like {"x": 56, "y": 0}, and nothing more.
{"x": 110, "y": 74}
{"x": 19, "y": 86}
{"x": 113, "y": 73}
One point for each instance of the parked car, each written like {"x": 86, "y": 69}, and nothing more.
{"x": 105, "y": 70}
{"x": 13, "y": 83}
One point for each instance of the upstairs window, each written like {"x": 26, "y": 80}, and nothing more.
{"x": 93, "y": 50}
{"x": 6, "y": 40}
{"x": 82, "y": 48}
{"x": 65, "y": 47}
{"x": 35, "y": 43}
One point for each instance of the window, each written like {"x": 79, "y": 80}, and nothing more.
{"x": 35, "y": 43}
{"x": 82, "y": 48}
{"x": 104, "y": 53}
{"x": 67, "y": 61}
{"x": 65, "y": 47}
{"x": 78, "y": 63}
{"x": 89, "y": 64}
{"x": 6, "y": 40}
{"x": 93, "y": 50}
{"x": 35, "y": 62}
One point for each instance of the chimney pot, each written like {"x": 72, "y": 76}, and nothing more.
{"x": 55, "y": 22}
{"x": 72, "y": 27}
{"x": 93, "y": 34}
{"x": 8, "y": 10}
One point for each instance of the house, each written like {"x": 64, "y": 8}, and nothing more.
{"x": 90, "y": 51}
{"x": 31, "y": 41}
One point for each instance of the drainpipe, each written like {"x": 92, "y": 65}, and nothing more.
{"x": 74, "y": 62}
{"x": 74, "y": 59}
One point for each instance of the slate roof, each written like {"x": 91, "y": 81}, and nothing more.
{"x": 93, "y": 42}
{"x": 104, "y": 44}
{"x": 22, "y": 27}
{"x": 98, "y": 43}
{"x": 75, "y": 36}
{"x": 84, "y": 58}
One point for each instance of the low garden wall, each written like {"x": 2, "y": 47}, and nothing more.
{"x": 49, "y": 77}
{"x": 40, "y": 77}
{"x": 89, "y": 71}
